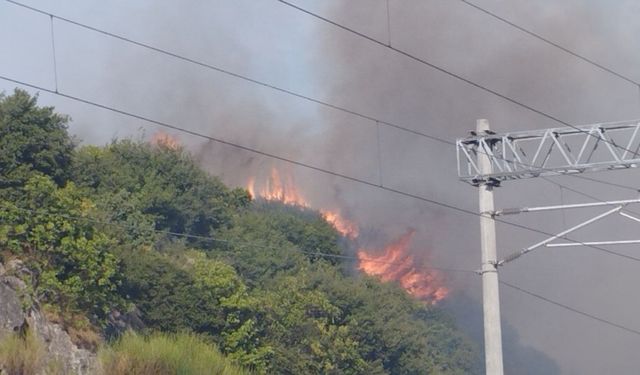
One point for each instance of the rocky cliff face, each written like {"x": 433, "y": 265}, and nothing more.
{"x": 69, "y": 358}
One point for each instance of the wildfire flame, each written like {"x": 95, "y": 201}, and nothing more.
{"x": 284, "y": 190}
{"x": 277, "y": 189}
{"x": 343, "y": 226}
{"x": 163, "y": 139}
{"x": 395, "y": 263}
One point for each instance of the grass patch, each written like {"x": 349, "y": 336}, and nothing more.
{"x": 25, "y": 354}
{"x": 164, "y": 354}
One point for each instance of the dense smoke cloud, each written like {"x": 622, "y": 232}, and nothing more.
{"x": 279, "y": 45}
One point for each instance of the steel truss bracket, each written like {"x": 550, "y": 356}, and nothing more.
{"x": 549, "y": 152}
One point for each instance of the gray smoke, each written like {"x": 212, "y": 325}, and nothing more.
{"x": 279, "y": 45}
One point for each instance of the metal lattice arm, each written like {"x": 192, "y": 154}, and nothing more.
{"x": 550, "y": 152}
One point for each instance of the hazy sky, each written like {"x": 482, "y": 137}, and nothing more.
{"x": 271, "y": 42}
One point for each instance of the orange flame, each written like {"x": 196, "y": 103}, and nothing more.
{"x": 284, "y": 190}
{"x": 343, "y": 226}
{"x": 396, "y": 264}
{"x": 163, "y": 139}
{"x": 277, "y": 189}
{"x": 251, "y": 187}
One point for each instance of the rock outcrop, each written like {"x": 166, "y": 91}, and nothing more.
{"x": 68, "y": 357}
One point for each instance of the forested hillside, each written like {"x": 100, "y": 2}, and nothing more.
{"x": 138, "y": 233}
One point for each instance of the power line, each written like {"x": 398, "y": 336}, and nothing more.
{"x": 344, "y": 257}
{"x": 582, "y": 193}
{"x": 53, "y": 54}
{"x": 609, "y": 183}
{"x": 230, "y": 73}
{"x": 300, "y": 164}
{"x": 262, "y": 83}
{"x": 551, "y": 43}
{"x": 326, "y": 171}
{"x": 471, "y": 83}
{"x": 238, "y": 146}
{"x": 56, "y": 92}
{"x": 450, "y": 73}
{"x": 388, "y": 24}
{"x": 569, "y": 308}
{"x": 241, "y": 244}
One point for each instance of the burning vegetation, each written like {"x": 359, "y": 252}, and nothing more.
{"x": 166, "y": 140}
{"x": 393, "y": 263}
{"x": 291, "y": 315}
{"x": 285, "y": 191}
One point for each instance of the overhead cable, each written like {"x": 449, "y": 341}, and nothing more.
{"x": 298, "y": 163}
{"x": 371, "y": 118}
{"x": 448, "y": 72}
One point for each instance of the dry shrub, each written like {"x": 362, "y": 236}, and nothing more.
{"x": 80, "y": 330}
{"x": 22, "y": 354}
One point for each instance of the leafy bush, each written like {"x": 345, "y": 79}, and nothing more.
{"x": 197, "y": 294}
{"x": 68, "y": 257}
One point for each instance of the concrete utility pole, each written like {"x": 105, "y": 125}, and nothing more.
{"x": 485, "y": 159}
{"x": 489, "y": 271}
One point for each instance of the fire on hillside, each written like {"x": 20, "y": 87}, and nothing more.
{"x": 166, "y": 140}
{"x": 395, "y": 263}
{"x": 392, "y": 263}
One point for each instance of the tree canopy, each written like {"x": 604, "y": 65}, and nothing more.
{"x": 133, "y": 226}
{"x": 32, "y": 139}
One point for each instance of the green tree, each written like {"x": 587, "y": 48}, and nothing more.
{"x": 402, "y": 335}
{"x": 299, "y": 323}
{"x": 95, "y": 227}
{"x": 164, "y": 293}
{"x": 51, "y": 229}
{"x": 304, "y": 228}
{"x": 32, "y": 139}
{"x": 256, "y": 249}
{"x": 239, "y": 336}
{"x": 163, "y": 183}
{"x": 196, "y": 294}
